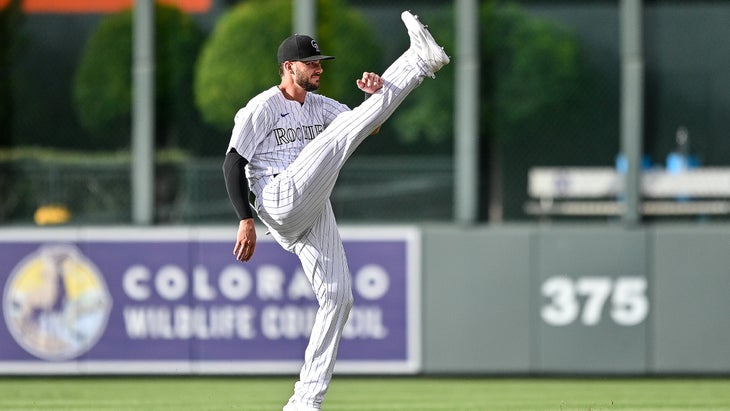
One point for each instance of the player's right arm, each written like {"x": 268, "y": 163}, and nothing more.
{"x": 251, "y": 125}
{"x": 234, "y": 174}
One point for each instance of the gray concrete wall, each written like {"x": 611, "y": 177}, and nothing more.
{"x": 576, "y": 299}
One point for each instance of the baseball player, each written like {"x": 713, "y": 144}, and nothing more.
{"x": 286, "y": 150}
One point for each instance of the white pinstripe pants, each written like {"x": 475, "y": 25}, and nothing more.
{"x": 295, "y": 206}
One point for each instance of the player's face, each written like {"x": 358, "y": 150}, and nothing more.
{"x": 307, "y": 74}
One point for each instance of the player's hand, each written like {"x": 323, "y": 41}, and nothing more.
{"x": 370, "y": 82}
{"x": 245, "y": 240}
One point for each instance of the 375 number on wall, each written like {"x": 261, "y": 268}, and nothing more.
{"x": 588, "y": 299}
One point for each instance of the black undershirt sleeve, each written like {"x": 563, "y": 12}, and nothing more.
{"x": 234, "y": 175}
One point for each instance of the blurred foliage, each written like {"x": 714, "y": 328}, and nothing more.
{"x": 537, "y": 97}
{"x": 538, "y": 75}
{"x": 543, "y": 104}
{"x": 426, "y": 117}
{"x": 532, "y": 79}
{"x": 539, "y": 103}
{"x": 11, "y": 17}
{"x": 238, "y": 60}
{"x": 102, "y": 87}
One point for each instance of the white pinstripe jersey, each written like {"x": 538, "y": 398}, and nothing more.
{"x": 271, "y": 130}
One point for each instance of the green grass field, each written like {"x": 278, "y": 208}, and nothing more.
{"x": 364, "y": 394}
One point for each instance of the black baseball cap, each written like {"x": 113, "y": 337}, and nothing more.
{"x": 300, "y": 47}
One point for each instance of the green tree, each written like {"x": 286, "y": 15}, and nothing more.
{"x": 531, "y": 73}
{"x": 426, "y": 118}
{"x": 541, "y": 105}
{"x": 537, "y": 71}
{"x": 535, "y": 87}
{"x": 238, "y": 60}
{"x": 102, "y": 88}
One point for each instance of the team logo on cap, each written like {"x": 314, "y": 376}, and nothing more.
{"x": 315, "y": 45}
{"x": 56, "y": 303}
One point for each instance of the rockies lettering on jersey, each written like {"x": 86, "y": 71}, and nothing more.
{"x": 290, "y": 135}
{"x": 271, "y": 131}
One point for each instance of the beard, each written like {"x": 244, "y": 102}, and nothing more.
{"x": 304, "y": 82}
{"x": 307, "y": 85}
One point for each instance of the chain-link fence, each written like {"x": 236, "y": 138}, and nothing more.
{"x": 192, "y": 191}
{"x": 549, "y": 97}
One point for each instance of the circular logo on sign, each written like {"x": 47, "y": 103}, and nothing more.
{"x": 56, "y": 303}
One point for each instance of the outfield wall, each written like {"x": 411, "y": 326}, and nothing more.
{"x": 432, "y": 299}
{"x": 175, "y": 300}
{"x": 577, "y": 299}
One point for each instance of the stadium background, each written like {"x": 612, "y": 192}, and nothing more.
{"x": 491, "y": 275}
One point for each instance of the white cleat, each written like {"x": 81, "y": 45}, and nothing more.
{"x": 424, "y": 44}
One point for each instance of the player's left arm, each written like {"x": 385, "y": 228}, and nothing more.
{"x": 369, "y": 84}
